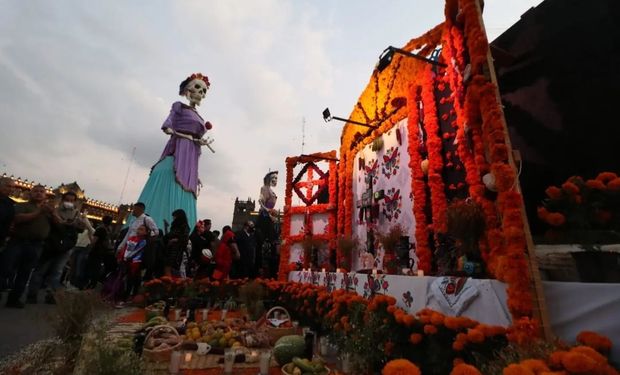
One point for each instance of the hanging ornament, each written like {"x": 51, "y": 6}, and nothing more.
{"x": 489, "y": 181}
{"x": 424, "y": 166}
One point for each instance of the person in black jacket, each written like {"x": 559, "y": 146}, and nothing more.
{"x": 176, "y": 242}
{"x": 7, "y": 208}
{"x": 202, "y": 249}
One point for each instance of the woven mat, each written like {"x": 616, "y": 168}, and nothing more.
{"x": 137, "y": 315}
{"x": 202, "y": 362}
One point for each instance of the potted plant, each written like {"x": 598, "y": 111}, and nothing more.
{"x": 586, "y": 213}
{"x": 466, "y": 224}
{"x": 346, "y": 244}
{"x": 390, "y": 241}
{"x": 310, "y": 247}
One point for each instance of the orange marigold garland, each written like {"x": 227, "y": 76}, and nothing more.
{"x": 435, "y": 159}
{"x": 507, "y": 258}
{"x": 418, "y": 183}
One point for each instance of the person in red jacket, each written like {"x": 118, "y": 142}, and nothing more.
{"x": 226, "y": 252}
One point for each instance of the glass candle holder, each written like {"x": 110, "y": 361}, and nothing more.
{"x": 229, "y": 360}
{"x": 264, "y": 362}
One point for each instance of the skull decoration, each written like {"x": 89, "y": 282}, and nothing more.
{"x": 195, "y": 91}
{"x": 273, "y": 181}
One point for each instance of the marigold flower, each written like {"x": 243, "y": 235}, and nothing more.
{"x": 555, "y": 219}
{"x": 400, "y": 367}
{"x": 464, "y": 369}
{"x": 415, "y": 338}
{"x": 542, "y": 213}
{"x": 597, "y": 342}
{"x": 430, "y": 329}
{"x": 570, "y": 188}
{"x": 588, "y": 351}
{"x": 596, "y": 184}
{"x": 535, "y": 365}
{"x": 515, "y": 369}
{"x": 578, "y": 362}
{"x": 605, "y": 177}
{"x": 458, "y": 345}
{"x": 614, "y": 184}
{"x": 437, "y": 319}
{"x": 554, "y": 192}
{"x": 475, "y": 335}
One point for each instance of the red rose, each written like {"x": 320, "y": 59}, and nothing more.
{"x": 208, "y": 125}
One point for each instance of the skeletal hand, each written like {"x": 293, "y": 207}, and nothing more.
{"x": 206, "y": 141}
{"x": 168, "y": 131}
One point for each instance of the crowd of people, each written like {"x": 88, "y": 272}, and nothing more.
{"x": 46, "y": 247}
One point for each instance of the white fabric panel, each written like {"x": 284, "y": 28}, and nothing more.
{"x": 297, "y": 224}
{"x": 413, "y": 293}
{"x": 576, "y": 307}
{"x": 319, "y": 223}
{"x": 296, "y": 252}
{"x": 390, "y": 168}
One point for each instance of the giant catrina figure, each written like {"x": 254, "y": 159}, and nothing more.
{"x": 173, "y": 183}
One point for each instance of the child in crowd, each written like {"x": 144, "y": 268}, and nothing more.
{"x": 130, "y": 260}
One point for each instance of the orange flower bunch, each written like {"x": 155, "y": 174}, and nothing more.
{"x": 523, "y": 331}
{"x": 464, "y": 369}
{"x": 581, "y": 206}
{"x": 517, "y": 369}
{"x": 581, "y": 360}
{"x": 400, "y": 367}
{"x": 594, "y": 340}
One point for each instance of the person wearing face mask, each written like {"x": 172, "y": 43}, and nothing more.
{"x": 56, "y": 251}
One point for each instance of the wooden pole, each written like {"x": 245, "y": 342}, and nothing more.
{"x": 540, "y": 307}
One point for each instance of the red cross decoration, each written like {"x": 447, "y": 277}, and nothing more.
{"x": 308, "y": 197}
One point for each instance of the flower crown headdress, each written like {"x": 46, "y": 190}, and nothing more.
{"x": 194, "y": 76}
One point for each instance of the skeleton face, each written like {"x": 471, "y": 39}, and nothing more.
{"x": 274, "y": 180}
{"x": 195, "y": 91}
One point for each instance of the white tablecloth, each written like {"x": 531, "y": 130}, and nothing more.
{"x": 414, "y": 293}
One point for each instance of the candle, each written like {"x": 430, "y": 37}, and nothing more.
{"x": 205, "y": 315}
{"x": 337, "y": 270}
{"x": 177, "y": 314}
{"x": 175, "y": 362}
{"x": 229, "y": 360}
{"x": 374, "y": 272}
{"x": 420, "y": 272}
{"x": 224, "y": 311}
{"x": 253, "y": 357}
{"x": 188, "y": 357}
{"x": 265, "y": 361}
{"x": 346, "y": 363}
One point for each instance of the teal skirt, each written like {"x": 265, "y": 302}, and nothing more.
{"x": 162, "y": 195}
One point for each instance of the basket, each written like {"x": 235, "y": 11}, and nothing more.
{"x": 153, "y": 311}
{"x": 284, "y": 372}
{"x": 275, "y": 333}
{"x": 164, "y": 354}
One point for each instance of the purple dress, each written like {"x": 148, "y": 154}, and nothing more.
{"x": 183, "y": 119}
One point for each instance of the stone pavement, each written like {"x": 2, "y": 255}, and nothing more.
{"x": 21, "y": 327}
